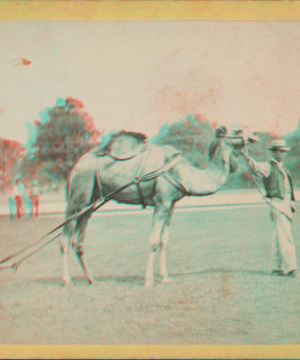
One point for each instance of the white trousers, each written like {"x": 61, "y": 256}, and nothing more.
{"x": 283, "y": 255}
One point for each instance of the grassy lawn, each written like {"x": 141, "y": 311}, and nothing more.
{"x": 221, "y": 292}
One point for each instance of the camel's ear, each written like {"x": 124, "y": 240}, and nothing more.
{"x": 238, "y": 132}
{"x": 252, "y": 138}
{"x": 220, "y": 130}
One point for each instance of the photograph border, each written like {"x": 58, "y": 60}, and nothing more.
{"x": 149, "y": 11}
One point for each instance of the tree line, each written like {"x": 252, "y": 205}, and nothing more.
{"x": 66, "y": 131}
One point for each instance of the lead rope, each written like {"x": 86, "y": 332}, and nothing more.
{"x": 257, "y": 187}
{"x": 13, "y": 265}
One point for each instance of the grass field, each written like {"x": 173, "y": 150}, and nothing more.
{"x": 221, "y": 291}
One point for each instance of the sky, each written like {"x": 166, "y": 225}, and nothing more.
{"x": 139, "y": 75}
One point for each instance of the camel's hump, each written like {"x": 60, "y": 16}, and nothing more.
{"x": 131, "y": 137}
{"x": 121, "y": 144}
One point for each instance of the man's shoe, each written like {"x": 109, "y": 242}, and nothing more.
{"x": 277, "y": 273}
{"x": 293, "y": 274}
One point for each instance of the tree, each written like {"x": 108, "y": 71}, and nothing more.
{"x": 11, "y": 153}
{"x": 191, "y": 136}
{"x": 292, "y": 160}
{"x": 259, "y": 150}
{"x": 55, "y": 143}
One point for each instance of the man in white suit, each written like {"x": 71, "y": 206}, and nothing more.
{"x": 279, "y": 192}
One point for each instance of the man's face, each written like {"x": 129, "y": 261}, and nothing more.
{"x": 278, "y": 155}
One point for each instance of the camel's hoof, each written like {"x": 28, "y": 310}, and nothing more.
{"x": 93, "y": 282}
{"x": 166, "y": 280}
{"x": 149, "y": 283}
{"x": 67, "y": 283}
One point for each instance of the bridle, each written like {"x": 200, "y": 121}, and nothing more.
{"x": 245, "y": 140}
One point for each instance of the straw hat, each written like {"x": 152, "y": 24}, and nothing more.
{"x": 279, "y": 144}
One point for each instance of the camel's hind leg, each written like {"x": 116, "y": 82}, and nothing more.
{"x": 78, "y": 246}
{"x": 81, "y": 191}
{"x": 161, "y": 212}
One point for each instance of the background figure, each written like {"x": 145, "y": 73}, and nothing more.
{"x": 11, "y": 201}
{"x": 35, "y": 193}
{"x": 19, "y": 194}
{"x": 279, "y": 191}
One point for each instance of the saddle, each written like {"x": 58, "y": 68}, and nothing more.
{"x": 125, "y": 145}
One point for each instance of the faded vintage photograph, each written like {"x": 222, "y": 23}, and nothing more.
{"x": 149, "y": 183}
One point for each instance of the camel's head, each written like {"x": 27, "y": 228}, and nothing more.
{"x": 236, "y": 136}
{"x": 235, "y": 139}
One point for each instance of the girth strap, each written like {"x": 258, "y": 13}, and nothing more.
{"x": 137, "y": 180}
{"x": 102, "y": 196}
{"x": 176, "y": 183}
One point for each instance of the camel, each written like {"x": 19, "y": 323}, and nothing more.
{"x": 127, "y": 156}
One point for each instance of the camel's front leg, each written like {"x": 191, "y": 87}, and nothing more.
{"x": 160, "y": 213}
{"x": 163, "y": 272}
{"x": 153, "y": 243}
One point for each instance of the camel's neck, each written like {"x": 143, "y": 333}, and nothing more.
{"x": 207, "y": 181}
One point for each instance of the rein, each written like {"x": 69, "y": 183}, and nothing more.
{"x": 267, "y": 201}
{"x": 13, "y": 265}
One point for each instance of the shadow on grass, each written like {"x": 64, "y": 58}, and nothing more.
{"x": 81, "y": 281}
{"x": 133, "y": 279}
{"x": 250, "y": 272}
{"x": 139, "y": 280}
